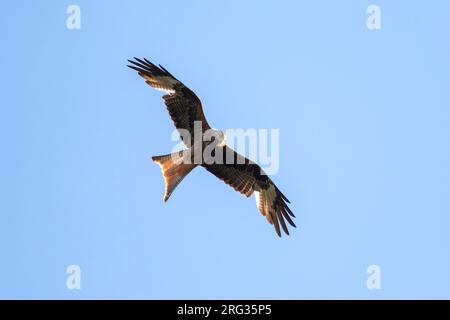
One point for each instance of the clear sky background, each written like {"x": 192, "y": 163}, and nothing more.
{"x": 364, "y": 149}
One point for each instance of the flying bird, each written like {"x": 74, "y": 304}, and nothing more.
{"x": 242, "y": 174}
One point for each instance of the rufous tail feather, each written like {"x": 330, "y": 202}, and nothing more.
{"x": 174, "y": 170}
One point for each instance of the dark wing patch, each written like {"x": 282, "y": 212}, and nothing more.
{"x": 185, "y": 109}
{"x": 239, "y": 178}
{"x": 236, "y": 170}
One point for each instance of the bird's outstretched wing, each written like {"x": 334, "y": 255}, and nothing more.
{"x": 182, "y": 103}
{"x": 247, "y": 177}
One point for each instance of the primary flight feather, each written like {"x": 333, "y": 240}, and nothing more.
{"x": 242, "y": 174}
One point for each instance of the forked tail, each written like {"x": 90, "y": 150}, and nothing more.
{"x": 174, "y": 170}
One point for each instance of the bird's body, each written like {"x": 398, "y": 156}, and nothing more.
{"x": 213, "y": 154}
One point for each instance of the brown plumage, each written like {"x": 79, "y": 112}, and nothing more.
{"x": 183, "y": 105}
{"x": 241, "y": 174}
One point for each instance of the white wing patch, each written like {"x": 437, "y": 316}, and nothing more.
{"x": 161, "y": 83}
{"x": 257, "y": 198}
{"x": 264, "y": 202}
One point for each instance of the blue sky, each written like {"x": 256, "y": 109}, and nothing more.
{"x": 364, "y": 149}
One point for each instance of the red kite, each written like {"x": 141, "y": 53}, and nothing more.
{"x": 240, "y": 173}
